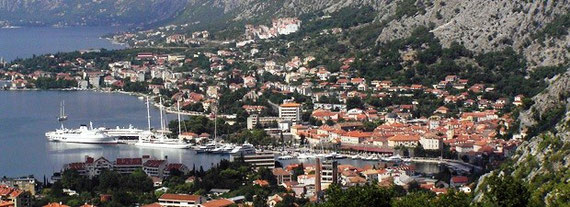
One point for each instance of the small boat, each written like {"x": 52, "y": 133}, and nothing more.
{"x": 217, "y": 150}
{"x": 370, "y": 158}
{"x": 62, "y": 116}
{"x": 395, "y": 158}
{"x": 339, "y": 156}
{"x": 285, "y": 157}
{"x": 206, "y": 148}
{"x": 302, "y": 156}
{"x": 330, "y": 156}
{"x": 227, "y": 148}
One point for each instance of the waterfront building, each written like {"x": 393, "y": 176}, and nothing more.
{"x": 95, "y": 167}
{"x": 152, "y": 167}
{"x": 403, "y": 140}
{"x": 155, "y": 168}
{"x": 127, "y": 165}
{"x": 259, "y": 159}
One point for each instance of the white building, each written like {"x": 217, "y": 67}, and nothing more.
{"x": 180, "y": 200}
{"x": 290, "y": 111}
{"x": 431, "y": 142}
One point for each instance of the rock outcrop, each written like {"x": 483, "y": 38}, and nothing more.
{"x": 543, "y": 161}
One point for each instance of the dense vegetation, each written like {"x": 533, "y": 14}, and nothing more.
{"x": 52, "y": 83}
{"x": 555, "y": 29}
{"x": 125, "y": 189}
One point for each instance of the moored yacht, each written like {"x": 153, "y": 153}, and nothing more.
{"x": 152, "y": 139}
{"x": 245, "y": 149}
{"x": 83, "y": 135}
{"x": 158, "y": 139}
{"x": 206, "y": 148}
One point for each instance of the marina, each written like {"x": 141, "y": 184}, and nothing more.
{"x": 125, "y": 121}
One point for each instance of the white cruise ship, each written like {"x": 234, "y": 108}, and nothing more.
{"x": 130, "y": 134}
{"x": 83, "y": 135}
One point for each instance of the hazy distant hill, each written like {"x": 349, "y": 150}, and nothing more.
{"x": 92, "y": 12}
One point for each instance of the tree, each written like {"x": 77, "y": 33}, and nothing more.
{"x": 504, "y": 190}
{"x": 297, "y": 171}
{"x": 419, "y": 151}
{"x": 354, "y": 102}
{"x": 421, "y": 198}
{"x": 452, "y": 199}
{"x": 369, "y": 126}
{"x": 302, "y": 139}
{"x": 368, "y": 195}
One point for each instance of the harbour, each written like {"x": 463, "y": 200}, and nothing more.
{"x": 24, "y": 124}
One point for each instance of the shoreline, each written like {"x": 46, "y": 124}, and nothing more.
{"x": 135, "y": 94}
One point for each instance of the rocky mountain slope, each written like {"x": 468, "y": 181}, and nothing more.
{"x": 479, "y": 25}
{"x": 543, "y": 161}
{"x": 95, "y": 12}
{"x": 483, "y": 25}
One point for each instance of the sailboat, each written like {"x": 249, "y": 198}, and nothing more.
{"x": 159, "y": 139}
{"x": 62, "y": 116}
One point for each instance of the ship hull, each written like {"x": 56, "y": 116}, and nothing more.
{"x": 163, "y": 145}
{"x": 95, "y": 139}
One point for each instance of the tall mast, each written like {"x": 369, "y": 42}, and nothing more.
{"x": 63, "y": 108}
{"x": 179, "y": 123}
{"x": 161, "y": 118}
{"x": 216, "y": 121}
{"x": 148, "y": 113}
{"x": 161, "y": 123}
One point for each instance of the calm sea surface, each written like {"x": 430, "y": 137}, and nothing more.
{"x": 27, "y": 41}
{"x": 26, "y": 115}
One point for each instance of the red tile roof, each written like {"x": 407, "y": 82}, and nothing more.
{"x": 56, "y": 205}
{"x": 152, "y": 205}
{"x": 218, "y": 203}
{"x": 280, "y": 171}
{"x": 459, "y": 179}
{"x": 182, "y": 197}
{"x": 403, "y": 138}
